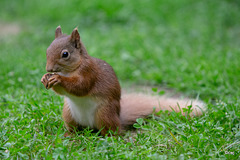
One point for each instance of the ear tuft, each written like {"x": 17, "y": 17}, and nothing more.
{"x": 75, "y": 38}
{"x": 58, "y": 32}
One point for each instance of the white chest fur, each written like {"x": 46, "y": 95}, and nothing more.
{"x": 82, "y": 110}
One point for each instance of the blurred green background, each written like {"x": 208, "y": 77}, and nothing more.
{"x": 191, "y": 46}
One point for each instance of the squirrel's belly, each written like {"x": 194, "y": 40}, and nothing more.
{"x": 82, "y": 110}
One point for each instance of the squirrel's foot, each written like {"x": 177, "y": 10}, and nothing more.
{"x": 68, "y": 134}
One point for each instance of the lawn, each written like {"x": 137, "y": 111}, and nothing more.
{"x": 189, "y": 47}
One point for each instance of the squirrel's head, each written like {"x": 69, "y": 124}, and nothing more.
{"x": 65, "y": 52}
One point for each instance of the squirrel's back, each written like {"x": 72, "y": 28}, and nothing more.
{"x": 107, "y": 84}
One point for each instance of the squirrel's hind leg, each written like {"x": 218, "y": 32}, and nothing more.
{"x": 107, "y": 117}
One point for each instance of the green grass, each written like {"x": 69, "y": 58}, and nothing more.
{"x": 190, "y": 46}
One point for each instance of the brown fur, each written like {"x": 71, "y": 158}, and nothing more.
{"x": 80, "y": 75}
{"x": 107, "y": 117}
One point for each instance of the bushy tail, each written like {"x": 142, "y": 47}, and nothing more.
{"x": 135, "y": 106}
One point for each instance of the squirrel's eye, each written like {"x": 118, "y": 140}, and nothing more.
{"x": 65, "y": 54}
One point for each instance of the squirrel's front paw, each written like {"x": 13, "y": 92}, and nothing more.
{"x": 44, "y": 80}
{"x": 55, "y": 79}
{"x": 50, "y": 79}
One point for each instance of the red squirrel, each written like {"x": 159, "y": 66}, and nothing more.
{"x": 92, "y": 93}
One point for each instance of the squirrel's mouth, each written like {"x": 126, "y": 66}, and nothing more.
{"x": 60, "y": 73}
{"x": 53, "y": 73}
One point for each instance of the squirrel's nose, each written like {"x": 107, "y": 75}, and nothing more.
{"x": 50, "y": 69}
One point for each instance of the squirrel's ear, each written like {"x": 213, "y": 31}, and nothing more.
{"x": 75, "y": 38}
{"x": 58, "y": 32}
